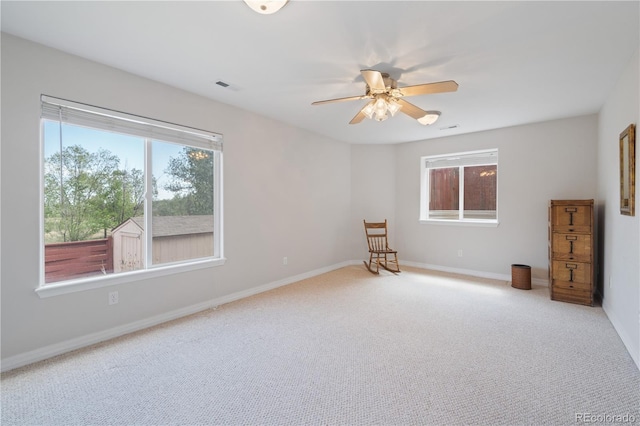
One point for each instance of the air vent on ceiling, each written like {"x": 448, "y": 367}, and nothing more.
{"x": 454, "y": 126}
{"x": 222, "y": 83}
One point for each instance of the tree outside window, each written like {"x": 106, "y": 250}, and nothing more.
{"x": 99, "y": 185}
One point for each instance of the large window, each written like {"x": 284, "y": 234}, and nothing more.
{"x": 460, "y": 187}
{"x": 124, "y": 194}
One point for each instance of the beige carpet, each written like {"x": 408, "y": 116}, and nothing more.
{"x": 347, "y": 347}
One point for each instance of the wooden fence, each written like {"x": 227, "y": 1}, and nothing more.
{"x": 77, "y": 259}
{"x": 480, "y": 186}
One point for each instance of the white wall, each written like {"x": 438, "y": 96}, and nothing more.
{"x": 373, "y": 192}
{"x": 284, "y": 195}
{"x": 619, "y": 235}
{"x": 537, "y": 163}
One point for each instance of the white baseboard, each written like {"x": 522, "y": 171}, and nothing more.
{"x": 626, "y": 340}
{"x": 473, "y": 273}
{"x": 93, "y": 338}
{"x": 46, "y": 352}
{"x": 275, "y": 284}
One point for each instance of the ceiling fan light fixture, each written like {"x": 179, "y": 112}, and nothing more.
{"x": 393, "y": 106}
{"x": 429, "y": 118}
{"x": 266, "y": 7}
{"x": 369, "y": 109}
{"x": 381, "y": 107}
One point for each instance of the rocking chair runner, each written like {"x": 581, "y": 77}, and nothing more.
{"x": 379, "y": 251}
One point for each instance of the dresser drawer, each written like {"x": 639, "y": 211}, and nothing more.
{"x": 571, "y": 218}
{"x": 570, "y": 285}
{"x": 575, "y": 247}
{"x": 583, "y": 297}
{"x": 575, "y": 272}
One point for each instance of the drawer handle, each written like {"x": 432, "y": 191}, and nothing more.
{"x": 571, "y": 237}
{"x": 571, "y": 211}
{"x": 571, "y": 267}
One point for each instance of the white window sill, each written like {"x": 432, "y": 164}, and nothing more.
{"x": 72, "y": 286}
{"x": 485, "y": 223}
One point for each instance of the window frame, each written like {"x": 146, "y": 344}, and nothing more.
{"x": 474, "y": 158}
{"x": 163, "y": 130}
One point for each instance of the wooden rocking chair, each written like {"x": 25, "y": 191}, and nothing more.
{"x": 379, "y": 251}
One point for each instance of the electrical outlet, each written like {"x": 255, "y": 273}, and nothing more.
{"x": 285, "y": 260}
{"x": 459, "y": 253}
{"x": 113, "y": 298}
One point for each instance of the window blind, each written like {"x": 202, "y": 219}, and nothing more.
{"x": 90, "y": 116}
{"x": 476, "y": 158}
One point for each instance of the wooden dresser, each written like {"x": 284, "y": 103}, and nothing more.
{"x": 571, "y": 251}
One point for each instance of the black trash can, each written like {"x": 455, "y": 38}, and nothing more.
{"x": 521, "y": 276}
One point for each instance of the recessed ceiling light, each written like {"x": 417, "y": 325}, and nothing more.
{"x": 266, "y": 7}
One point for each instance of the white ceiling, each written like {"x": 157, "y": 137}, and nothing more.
{"x": 516, "y": 62}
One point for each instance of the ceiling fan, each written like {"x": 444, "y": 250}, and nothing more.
{"x": 386, "y": 98}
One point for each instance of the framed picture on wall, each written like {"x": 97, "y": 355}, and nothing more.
{"x": 628, "y": 170}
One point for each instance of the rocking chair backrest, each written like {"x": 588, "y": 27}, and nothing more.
{"x": 376, "y": 235}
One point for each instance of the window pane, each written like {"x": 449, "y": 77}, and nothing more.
{"x": 460, "y": 187}
{"x": 480, "y": 189}
{"x": 93, "y": 184}
{"x": 182, "y": 205}
{"x": 124, "y": 193}
{"x": 444, "y": 198}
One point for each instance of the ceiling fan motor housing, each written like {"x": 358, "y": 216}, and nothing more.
{"x": 389, "y": 83}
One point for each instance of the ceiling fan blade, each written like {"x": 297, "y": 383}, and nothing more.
{"x": 374, "y": 80}
{"x": 411, "y": 110}
{"x": 358, "y": 118}
{"x": 429, "y": 88}
{"x": 350, "y": 98}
